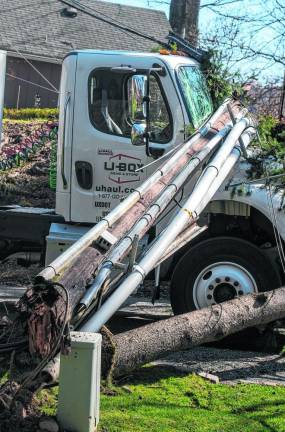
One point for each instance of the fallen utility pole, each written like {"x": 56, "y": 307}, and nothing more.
{"x": 76, "y": 268}
{"x": 127, "y": 351}
{"x": 210, "y": 180}
{"x": 212, "y": 177}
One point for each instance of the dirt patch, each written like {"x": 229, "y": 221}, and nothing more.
{"x": 230, "y": 366}
{"x": 16, "y": 275}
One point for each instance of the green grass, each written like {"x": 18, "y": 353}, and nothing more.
{"x": 156, "y": 401}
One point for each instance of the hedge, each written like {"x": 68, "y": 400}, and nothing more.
{"x": 29, "y": 113}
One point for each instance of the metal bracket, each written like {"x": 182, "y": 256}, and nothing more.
{"x": 120, "y": 266}
{"x": 240, "y": 140}
{"x": 106, "y": 240}
{"x": 156, "y": 290}
{"x": 133, "y": 253}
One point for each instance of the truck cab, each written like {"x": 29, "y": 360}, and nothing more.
{"x": 100, "y": 97}
{"x": 106, "y": 149}
{"x": 101, "y": 101}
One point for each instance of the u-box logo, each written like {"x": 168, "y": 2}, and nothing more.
{"x": 123, "y": 168}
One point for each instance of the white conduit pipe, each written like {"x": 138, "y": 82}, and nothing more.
{"x": 151, "y": 214}
{"x": 202, "y": 193}
{"x": 226, "y": 168}
{"x": 87, "y": 239}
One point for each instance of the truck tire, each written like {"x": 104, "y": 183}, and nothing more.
{"x": 220, "y": 269}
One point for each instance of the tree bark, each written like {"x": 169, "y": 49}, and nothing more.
{"x": 127, "y": 351}
{"x": 153, "y": 341}
{"x": 184, "y": 19}
{"x": 192, "y": 21}
{"x": 45, "y": 303}
{"x": 177, "y": 15}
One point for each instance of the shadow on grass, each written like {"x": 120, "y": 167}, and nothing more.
{"x": 150, "y": 375}
{"x": 261, "y": 417}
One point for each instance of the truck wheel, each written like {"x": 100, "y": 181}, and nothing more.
{"x": 220, "y": 269}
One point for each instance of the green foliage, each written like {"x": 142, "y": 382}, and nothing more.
{"x": 270, "y": 143}
{"x": 29, "y": 113}
{"x": 47, "y": 401}
{"x": 221, "y": 82}
{"x": 173, "y": 46}
{"x": 156, "y": 49}
{"x": 189, "y": 130}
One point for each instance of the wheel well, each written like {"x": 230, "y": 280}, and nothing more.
{"x": 242, "y": 221}
{"x": 255, "y": 227}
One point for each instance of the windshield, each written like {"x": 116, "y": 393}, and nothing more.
{"x": 196, "y": 95}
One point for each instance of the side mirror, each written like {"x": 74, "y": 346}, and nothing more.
{"x": 137, "y": 93}
{"x": 138, "y": 107}
{"x": 138, "y": 133}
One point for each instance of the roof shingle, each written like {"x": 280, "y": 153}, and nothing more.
{"x": 37, "y": 27}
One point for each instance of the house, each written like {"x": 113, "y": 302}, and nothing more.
{"x": 37, "y": 34}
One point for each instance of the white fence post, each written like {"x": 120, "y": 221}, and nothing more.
{"x": 3, "y": 56}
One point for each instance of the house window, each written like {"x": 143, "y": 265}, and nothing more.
{"x": 110, "y": 109}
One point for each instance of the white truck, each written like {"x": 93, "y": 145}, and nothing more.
{"x": 109, "y": 132}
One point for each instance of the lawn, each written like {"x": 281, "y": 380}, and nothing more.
{"x": 156, "y": 400}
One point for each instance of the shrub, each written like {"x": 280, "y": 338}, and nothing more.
{"x": 221, "y": 82}
{"x": 270, "y": 142}
{"x": 29, "y": 113}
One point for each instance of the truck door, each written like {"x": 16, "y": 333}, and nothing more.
{"x": 105, "y": 165}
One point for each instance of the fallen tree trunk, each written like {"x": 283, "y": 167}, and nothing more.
{"x": 127, "y": 351}
{"x": 147, "y": 343}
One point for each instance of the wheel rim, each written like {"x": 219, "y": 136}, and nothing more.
{"x": 220, "y": 282}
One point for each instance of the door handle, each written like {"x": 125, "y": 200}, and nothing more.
{"x": 84, "y": 174}
{"x": 64, "y": 181}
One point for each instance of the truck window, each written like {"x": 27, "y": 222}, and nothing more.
{"x": 196, "y": 95}
{"x": 106, "y": 102}
{"x": 109, "y": 105}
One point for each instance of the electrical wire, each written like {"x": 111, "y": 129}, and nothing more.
{"x": 275, "y": 225}
{"x": 273, "y": 218}
{"x": 177, "y": 204}
{"x": 32, "y": 83}
{"x": 54, "y": 350}
{"x": 30, "y": 378}
{"x": 270, "y": 204}
{"x": 32, "y": 66}
{"x": 117, "y": 24}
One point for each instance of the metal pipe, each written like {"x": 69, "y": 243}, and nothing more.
{"x": 3, "y": 61}
{"x": 210, "y": 181}
{"x": 185, "y": 237}
{"x": 150, "y": 216}
{"x": 87, "y": 239}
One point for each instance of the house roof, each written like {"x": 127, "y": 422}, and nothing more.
{"x": 38, "y": 28}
